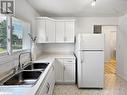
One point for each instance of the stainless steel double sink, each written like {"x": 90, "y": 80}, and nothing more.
{"x": 36, "y": 66}
{"x": 28, "y": 76}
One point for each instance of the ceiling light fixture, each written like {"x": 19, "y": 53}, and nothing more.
{"x": 93, "y": 3}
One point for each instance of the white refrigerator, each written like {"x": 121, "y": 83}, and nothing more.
{"x": 90, "y": 60}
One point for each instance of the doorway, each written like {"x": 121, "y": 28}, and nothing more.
{"x": 110, "y": 48}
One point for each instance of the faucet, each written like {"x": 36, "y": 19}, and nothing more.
{"x": 19, "y": 65}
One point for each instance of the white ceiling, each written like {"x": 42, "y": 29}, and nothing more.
{"x": 80, "y": 8}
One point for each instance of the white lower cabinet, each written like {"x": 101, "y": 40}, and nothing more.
{"x": 69, "y": 75}
{"x": 65, "y": 70}
{"x": 43, "y": 90}
{"x": 59, "y": 70}
{"x": 51, "y": 82}
{"x": 46, "y": 88}
{"x": 62, "y": 71}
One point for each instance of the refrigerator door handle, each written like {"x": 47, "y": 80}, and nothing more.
{"x": 82, "y": 61}
{"x": 91, "y": 50}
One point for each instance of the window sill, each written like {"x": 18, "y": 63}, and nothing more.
{"x": 6, "y": 58}
{"x": 4, "y": 53}
{"x": 20, "y": 50}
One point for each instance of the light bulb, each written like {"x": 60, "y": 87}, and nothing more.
{"x": 93, "y": 3}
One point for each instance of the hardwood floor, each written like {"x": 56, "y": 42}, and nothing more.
{"x": 110, "y": 67}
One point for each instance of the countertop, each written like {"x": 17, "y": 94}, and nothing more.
{"x": 51, "y": 56}
{"x": 48, "y": 57}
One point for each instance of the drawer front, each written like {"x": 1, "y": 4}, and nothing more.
{"x": 69, "y": 60}
{"x": 60, "y": 60}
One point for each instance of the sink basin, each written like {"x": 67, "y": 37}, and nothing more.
{"x": 35, "y": 66}
{"x": 24, "y": 78}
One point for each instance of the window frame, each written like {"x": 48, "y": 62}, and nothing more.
{"x": 18, "y": 50}
{"x": 5, "y": 52}
{"x": 9, "y": 50}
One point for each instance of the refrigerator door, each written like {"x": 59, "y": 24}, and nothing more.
{"x": 91, "y": 42}
{"x": 91, "y": 69}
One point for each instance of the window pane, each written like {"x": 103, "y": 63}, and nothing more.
{"x": 17, "y": 34}
{"x": 3, "y": 34}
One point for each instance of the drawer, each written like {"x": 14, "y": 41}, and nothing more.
{"x": 59, "y": 60}
{"x": 69, "y": 60}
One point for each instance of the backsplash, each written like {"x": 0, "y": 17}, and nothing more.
{"x": 7, "y": 62}
{"x": 51, "y": 47}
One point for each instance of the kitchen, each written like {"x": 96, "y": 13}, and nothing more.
{"x": 57, "y": 48}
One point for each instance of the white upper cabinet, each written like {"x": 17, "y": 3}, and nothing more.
{"x": 45, "y": 30}
{"x": 65, "y": 31}
{"x": 55, "y": 31}
{"x": 41, "y": 32}
{"x": 60, "y": 28}
{"x": 69, "y": 31}
{"x": 50, "y": 31}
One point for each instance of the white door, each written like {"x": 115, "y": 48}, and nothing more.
{"x": 69, "y": 32}
{"x": 59, "y": 70}
{"x": 92, "y": 69}
{"x": 60, "y": 28}
{"x": 50, "y": 31}
{"x": 110, "y": 38}
{"x": 41, "y": 32}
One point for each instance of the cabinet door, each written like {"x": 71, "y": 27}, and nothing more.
{"x": 69, "y": 32}
{"x": 50, "y": 31}
{"x": 47, "y": 86}
{"x": 69, "y": 71}
{"x": 60, "y": 28}
{"x": 41, "y": 33}
{"x": 43, "y": 89}
{"x": 51, "y": 81}
{"x": 59, "y": 70}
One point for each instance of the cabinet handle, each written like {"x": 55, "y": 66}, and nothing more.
{"x": 70, "y": 61}
{"x": 65, "y": 39}
{"x": 48, "y": 87}
{"x": 53, "y": 68}
{"x": 46, "y": 38}
{"x": 23, "y": 65}
{"x": 64, "y": 68}
{"x": 81, "y": 61}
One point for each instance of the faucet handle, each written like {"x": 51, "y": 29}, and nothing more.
{"x": 14, "y": 70}
{"x": 23, "y": 65}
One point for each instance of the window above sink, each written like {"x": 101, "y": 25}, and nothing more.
{"x": 13, "y": 35}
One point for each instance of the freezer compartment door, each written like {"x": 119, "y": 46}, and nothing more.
{"x": 92, "y": 69}
{"x": 91, "y": 42}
